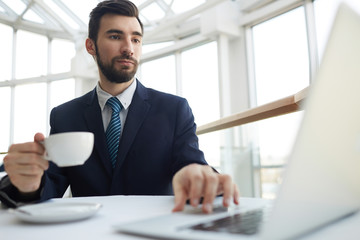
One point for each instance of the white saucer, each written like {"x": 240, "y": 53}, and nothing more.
{"x": 55, "y": 212}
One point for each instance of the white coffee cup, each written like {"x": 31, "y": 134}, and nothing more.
{"x": 69, "y": 148}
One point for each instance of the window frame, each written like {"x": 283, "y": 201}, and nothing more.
{"x": 248, "y": 23}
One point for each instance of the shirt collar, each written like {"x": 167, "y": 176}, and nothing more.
{"x": 125, "y": 97}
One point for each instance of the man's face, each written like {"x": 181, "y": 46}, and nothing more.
{"x": 118, "y": 47}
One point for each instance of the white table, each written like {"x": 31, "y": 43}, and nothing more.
{"x": 121, "y": 209}
{"x": 115, "y": 210}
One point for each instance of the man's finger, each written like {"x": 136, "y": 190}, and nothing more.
{"x": 236, "y": 194}
{"x": 29, "y": 147}
{"x": 26, "y": 183}
{"x": 180, "y": 198}
{"x": 211, "y": 185}
{"x": 227, "y": 187}
{"x": 17, "y": 159}
{"x": 39, "y": 137}
{"x": 196, "y": 187}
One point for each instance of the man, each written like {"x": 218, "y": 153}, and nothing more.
{"x": 156, "y": 152}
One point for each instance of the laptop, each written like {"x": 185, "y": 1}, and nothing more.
{"x": 322, "y": 178}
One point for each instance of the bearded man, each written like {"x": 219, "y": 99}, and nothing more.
{"x": 155, "y": 149}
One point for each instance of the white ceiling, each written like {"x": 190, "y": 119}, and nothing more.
{"x": 68, "y": 19}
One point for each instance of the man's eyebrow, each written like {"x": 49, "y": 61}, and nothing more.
{"x": 137, "y": 33}
{"x": 122, "y": 32}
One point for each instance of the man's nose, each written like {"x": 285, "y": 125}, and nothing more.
{"x": 127, "y": 47}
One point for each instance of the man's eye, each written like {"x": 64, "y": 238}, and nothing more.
{"x": 137, "y": 40}
{"x": 114, "y": 37}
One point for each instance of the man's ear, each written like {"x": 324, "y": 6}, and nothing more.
{"x": 90, "y": 47}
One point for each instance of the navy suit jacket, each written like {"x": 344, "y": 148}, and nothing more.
{"x": 158, "y": 139}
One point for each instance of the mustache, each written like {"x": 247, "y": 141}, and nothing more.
{"x": 125, "y": 57}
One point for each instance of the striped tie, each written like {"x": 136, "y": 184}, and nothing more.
{"x": 114, "y": 129}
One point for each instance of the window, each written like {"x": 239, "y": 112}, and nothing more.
{"x": 181, "y": 6}
{"x": 200, "y": 84}
{"x": 62, "y": 52}
{"x": 81, "y": 8}
{"x": 281, "y": 64}
{"x": 30, "y": 111}
{"x": 200, "y": 87}
{"x": 281, "y": 56}
{"x": 325, "y": 12}
{"x": 62, "y": 12}
{"x": 6, "y": 52}
{"x": 155, "y": 46}
{"x": 5, "y": 95}
{"x": 61, "y": 92}
{"x": 30, "y": 48}
{"x": 30, "y": 100}
{"x": 160, "y": 74}
{"x": 16, "y": 5}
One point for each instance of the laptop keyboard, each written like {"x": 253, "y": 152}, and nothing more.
{"x": 247, "y": 223}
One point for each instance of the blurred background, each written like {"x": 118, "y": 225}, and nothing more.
{"x": 224, "y": 56}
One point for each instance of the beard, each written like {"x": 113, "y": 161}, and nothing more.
{"x": 114, "y": 75}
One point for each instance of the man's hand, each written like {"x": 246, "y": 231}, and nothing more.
{"x": 25, "y": 164}
{"x": 195, "y": 181}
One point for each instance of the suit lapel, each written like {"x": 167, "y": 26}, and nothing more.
{"x": 137, "y": 112}
{"x": 94, "y": 121}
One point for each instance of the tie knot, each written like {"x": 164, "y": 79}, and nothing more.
{"x": 115, "y": 104}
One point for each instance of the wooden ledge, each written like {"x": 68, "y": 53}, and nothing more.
{"x": 279, "y": 107}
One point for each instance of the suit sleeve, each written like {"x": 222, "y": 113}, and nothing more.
{"x": 53, "y": 184}
{"x": 54, "y": 181}
{"x": 186, "y": 144}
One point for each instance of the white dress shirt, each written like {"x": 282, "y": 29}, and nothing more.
{"x": 125, "y": 98}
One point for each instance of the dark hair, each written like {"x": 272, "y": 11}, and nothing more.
{"x": 120, "y": 7}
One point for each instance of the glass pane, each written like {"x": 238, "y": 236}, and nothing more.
{"x": 200, "y": 87}
{"x": 16, "y": 5}
{"x": 271, "y": 179}
{"x": 281, "y": 56}
{"x": 30, "y": 15}
{"x": 324, "y": 16}
{"x": 81, "y": 8}
{"x": 138, "y": 2}
{"x": 6, "y": 33}
{"x": 156, "y": 46}
{"x": 166, "y": 81}
{"x": 62, "y": 14}
{"x": 153, "y": 12}
{"x": 276, "y": 138}
{"x": 30, "y": 111}
{"x": 31, "y": 48}
{"x": 200, "y": 72}
{"x": 62, "y": 91}
{"x": 62, "y": 52}
{"x": 5, "y": 98}
{"x": 210, "y": 144}
{"x": 281, "y": 69}
{"x": 180, "y": 6}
